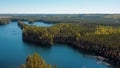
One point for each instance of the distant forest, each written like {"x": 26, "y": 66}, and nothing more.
{"x": 84, "y": 19}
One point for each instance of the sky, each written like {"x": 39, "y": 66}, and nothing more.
{"x": 59, "y": 6}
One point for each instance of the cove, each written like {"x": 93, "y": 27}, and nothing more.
{"x": 13, "y": 51}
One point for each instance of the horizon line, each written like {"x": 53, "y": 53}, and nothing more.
{"x": 59, "y": 13}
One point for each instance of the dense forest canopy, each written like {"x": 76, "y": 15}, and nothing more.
{"x": 84, "y": 19}
{"x": 100, "y": 40}
{"x": 4, "y": 21}
{"x": 105, "y": 35}
{"x": 36, "y": 61}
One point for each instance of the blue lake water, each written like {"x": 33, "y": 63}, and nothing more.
{"x": 13, "y": 51}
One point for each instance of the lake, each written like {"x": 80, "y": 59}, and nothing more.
{"x": 13, "y": 51}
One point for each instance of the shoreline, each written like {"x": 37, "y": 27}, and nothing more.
{"x": 103, "y": 59}
{"x": 99, "y": 50}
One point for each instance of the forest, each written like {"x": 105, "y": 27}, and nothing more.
{"x": 83, "y": 19}
{"x": 99, "y": 40}
{"x": 96, "y": 34}
{"x": 4, "y": 21}
{"x": 36, "y": 61}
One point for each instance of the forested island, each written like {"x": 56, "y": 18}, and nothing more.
{"x": 4, "y": 21}
{"x": 36, "y": 61}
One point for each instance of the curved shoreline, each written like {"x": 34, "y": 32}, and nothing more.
{"x": 82, "y": 45}
{"x": 84, "y": 48}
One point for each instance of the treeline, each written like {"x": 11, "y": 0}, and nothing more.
{"x": 83, "y": 19}
{"x": 22, "y": 25}
{"x": 50, "y": 35}
{"x": 4, "y": 21}
{"x": 35, "y": 61}
{"x": 99, "y": 40}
